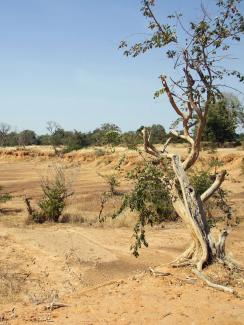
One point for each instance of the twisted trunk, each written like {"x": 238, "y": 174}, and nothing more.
{"x": 190, "y": 209}
{"x": 204, "y": 248}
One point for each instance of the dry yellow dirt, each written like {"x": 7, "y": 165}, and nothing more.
{"x": 89, "y": 267}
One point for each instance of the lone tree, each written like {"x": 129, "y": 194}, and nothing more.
{"x": 56, "y": 134}
{"x": 196, "y": 58}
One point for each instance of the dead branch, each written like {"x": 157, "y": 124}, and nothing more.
{"x": 182, "y": 136}
{"x": 56, "y": 305}
{"x": 148, "y": 147}
{"x": 166, "y": 145}
{"x": 101, "y": 286}
{"x": 28, "y": 206}
{"x": 214, "y": 187}
{"x": 171, "y": 98}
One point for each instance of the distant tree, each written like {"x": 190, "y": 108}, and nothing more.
{"x": 4, "y": 131}
{"x": 106, "y": 133}
{"x": 56, "y": 135}
{"x": 131, "y": 139}
{"x": 107, "y": 127}
{"x": 27, "y": 138}
{"x": 112, "y": 138}
{"x": 221, "y": 122}
{"x": 75, "y": 140}
{"x": 12, "y": 139}
{"x": 158, "y": 134}
{"x": 44, "y": 139}
{"x": 241, "y": 137}
{"x": 234, "y": 105}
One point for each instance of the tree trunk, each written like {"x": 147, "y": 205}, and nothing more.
{"x": 190, "y": 209}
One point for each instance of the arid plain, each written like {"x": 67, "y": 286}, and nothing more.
{"x": 88, "y": 266}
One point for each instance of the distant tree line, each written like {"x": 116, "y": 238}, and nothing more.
{"x": 56, "y": 136}
{"x": 224, "y": 118}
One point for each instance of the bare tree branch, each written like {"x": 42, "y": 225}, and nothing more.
{"x": 171, "y": 99}
{"x": 148, "y": 147}
{"x": 214, "y": 187}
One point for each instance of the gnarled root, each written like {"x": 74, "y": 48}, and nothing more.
{"x": 185, "y": 258}
{"x": 194, "y": 256}
{"x": 211, "y": 284}
{"x": 231, "y": 264}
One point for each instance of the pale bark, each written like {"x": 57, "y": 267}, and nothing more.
{"x": 203, "y": 249}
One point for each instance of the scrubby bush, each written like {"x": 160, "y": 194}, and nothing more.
{"x": 5, "y": 197}
{"x": 112, "y": 182}
{"x": 53, "y": 201}
{"x": 55, "y": 193}
{"x": 149, "y": 199}
{"x": 201, "y": 181}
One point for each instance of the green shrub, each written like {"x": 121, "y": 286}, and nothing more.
{"x": 218, "y": 203}
{"x": 201, "y": 181}
{"x": 53, "y": 201}
{"x": 112, "y": 182}
{"x": 149, "y": 198}
{"x": 55, "y": 193}
{"x": 5, "y": 197}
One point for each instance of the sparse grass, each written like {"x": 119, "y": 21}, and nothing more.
{"x": 11, "y": 283}
{"x": 12, "y": 276}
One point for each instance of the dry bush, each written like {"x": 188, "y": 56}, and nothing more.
{"x": 55, "y": 193}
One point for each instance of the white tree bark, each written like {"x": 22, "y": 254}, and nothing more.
{"x": 204, "y": 249}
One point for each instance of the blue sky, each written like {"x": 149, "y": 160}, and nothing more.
{"x": 59, "y": 61}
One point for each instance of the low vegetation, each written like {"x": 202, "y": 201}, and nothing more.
{"x": 4, "y": 197}
{"x": 51, "y": 205}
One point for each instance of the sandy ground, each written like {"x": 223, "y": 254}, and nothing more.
{"x": 89, "y": 267}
